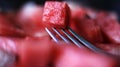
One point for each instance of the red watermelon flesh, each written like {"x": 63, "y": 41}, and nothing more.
{"x": 29, "y": 19}
{"x": 9, "y": 29}
{"x": 56, "y": 14}
{"x": 88, "y": 29}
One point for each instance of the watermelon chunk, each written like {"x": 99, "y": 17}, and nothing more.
{"x": 29, "y": 19}
{"x": 110, "y": 48}
{"x": 110, "y": 29}
{"x": 9, "y": 29}
{"x": 56, "y": 14}
{"x": 88, "y": 29}
{"x": 78, "y": 57}
{"x": 33, "y": 52}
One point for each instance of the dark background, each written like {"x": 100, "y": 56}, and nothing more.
{"x": 99, "y": 4}
{"x": 109, "y": 5}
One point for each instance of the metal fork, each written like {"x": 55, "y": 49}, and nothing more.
{"x": 71, "y": 36}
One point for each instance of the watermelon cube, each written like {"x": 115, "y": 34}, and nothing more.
{"x": 56, "y": 14}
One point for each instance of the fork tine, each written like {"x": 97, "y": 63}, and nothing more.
{"x": 72, "y": 39}
{"x": 84, "y": 42}
{"x": 77, "y": 40}
{"x": 52, "y": 35}
{"x": 66, "y": 40}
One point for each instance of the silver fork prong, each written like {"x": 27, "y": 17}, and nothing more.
{"x": 52, "y": 35}
{"x": 84, "y": 42}
{"x": 72, "y": 39}
{"x": 65, "y": 39}
{"x": 77, "y": 40}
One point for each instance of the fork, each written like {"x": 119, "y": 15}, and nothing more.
{"x": 71, "y": 36}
